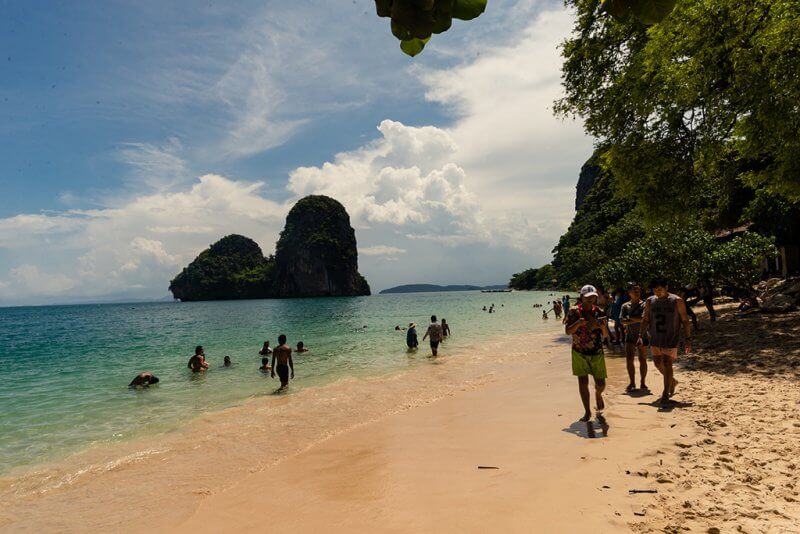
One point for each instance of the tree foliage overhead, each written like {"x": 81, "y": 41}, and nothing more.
{"x": 647, "y": 11}
{"x": 415, "y": 21}
{"x": 706, "y": 97}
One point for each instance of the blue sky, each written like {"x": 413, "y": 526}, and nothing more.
{"x": 135, "y": 134}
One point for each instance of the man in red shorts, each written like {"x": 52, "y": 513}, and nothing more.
{"x": 664, "y": 313}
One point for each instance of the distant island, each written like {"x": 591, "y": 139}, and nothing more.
{"x": 316, "y": 256}
{"x": 432, "y": 288}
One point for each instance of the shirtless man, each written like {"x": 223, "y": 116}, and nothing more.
{"x": 143, "y": 380}
{"x": 197, "y": 363}
{"x": 587, "y": 329}
{"x": 663, "y": 314}
{"x": 631, "y": 318}
{"x": 282, "y": 361}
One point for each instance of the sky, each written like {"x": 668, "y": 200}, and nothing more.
{"x": 135, "y": 134}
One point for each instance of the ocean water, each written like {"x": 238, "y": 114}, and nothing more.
{"x": 65, "y": 369}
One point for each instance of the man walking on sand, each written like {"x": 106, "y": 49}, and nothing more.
{"x": 631, "y": 318}
{"x": 587, "y": 333}
{"x": 663, "y": 314}
{"x": 435, "y": 333}
{"x": 282, "y": 361}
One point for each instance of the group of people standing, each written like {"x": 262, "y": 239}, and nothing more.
{"x": 436, "y": 332}
{"x": 656, "y": 323}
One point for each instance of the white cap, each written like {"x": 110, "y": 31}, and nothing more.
{"x": 588, "y": 291}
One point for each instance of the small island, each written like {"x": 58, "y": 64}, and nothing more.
{"x": 433, "y": 288}
{"x": 316, "y": 256}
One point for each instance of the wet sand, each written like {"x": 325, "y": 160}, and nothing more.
{"x": 402, "y": 453}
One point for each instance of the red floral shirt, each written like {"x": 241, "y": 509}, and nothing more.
{"x": 585, "y": 341}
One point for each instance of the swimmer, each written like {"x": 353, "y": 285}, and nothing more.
{"x": 226, "y": 361}
{"x": 197, "y": 363}
{"x": 143, "y": 380}
{"x": 301, "y": 347}
{"x": 265, "y": 352}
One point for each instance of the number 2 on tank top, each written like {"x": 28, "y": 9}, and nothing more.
{"x": 661, "y": 323}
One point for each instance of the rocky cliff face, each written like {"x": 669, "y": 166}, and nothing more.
{"x": 316, "y": 255}
{"x": 589, "y": 174}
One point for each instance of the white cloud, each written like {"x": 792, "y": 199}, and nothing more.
{"x": 519, "y": 159}
{"x": 28, "y": 278}
{"x": 137, "y": 246}
{"x": 405, "y": 178}
{"x": 381, "y": 250}
{"x": 468, "y": 203}
{"x": 157, "y": 166}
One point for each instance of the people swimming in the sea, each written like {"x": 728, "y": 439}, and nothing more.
{"x": 301, "y": 347}
{"x": 264, "y": 353}
{"x": 226, "y": 361}
{"x": 282, "y": 361}
{"x": 143, "y": 380}
{"x": 197, "y": 363}
{"x": 445, "y": 328}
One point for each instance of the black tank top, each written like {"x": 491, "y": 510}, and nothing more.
{"x": 665, "y": 322}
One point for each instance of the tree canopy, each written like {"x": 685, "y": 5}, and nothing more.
{"x": 706, "y": 98}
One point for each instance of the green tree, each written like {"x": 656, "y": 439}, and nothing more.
{"x": 690, "y": 255}
{"x": 737, "y": 263}
{"x": 524, "y": 280}
{"x": 708, "y": 94}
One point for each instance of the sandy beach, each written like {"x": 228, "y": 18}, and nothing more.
{"x": 476, "y": 442}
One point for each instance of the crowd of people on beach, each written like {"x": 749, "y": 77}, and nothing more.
{"x": 599, "y": 319}
{"x": 656, "y": 321}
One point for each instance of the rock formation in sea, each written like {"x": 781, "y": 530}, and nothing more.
{"x": 316, "y": 257}
{"x": 232, "y": 268}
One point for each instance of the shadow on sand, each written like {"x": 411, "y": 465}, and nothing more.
{"x": 667, "y": 406}
{"x": 638, "y": 393}
{"x": 589, "y": 429}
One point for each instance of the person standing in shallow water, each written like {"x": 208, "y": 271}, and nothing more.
{"x": 587, "y": 331}
{"x": 197, "y": 363}
{"x": 435, "y": 333}
{"x": 282, "y": 361}
{"x": 445, "y": 328}
{"x": 663, "y": 314}
{"x": 411, "y": 336}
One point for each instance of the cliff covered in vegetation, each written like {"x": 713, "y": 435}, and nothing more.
{"x": 316, "y": 257}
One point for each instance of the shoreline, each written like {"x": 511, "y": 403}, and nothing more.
{"x": 102, "y": 468}
{"x": 401, "y": 453}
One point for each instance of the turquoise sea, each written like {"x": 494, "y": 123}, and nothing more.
{"x": 65, "y": 369}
